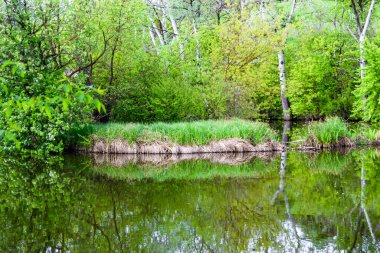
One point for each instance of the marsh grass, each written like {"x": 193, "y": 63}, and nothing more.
{"x": 330, "y": 132}
{"x": 364, "y": 134}
{"x": 185, "y": 133}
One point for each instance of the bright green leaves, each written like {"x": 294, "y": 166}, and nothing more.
{"x": 321, "y": 74}
{"x": 39, "y": 121}
{"x": 367, "y": 93}
{"x": 99, "y": 106}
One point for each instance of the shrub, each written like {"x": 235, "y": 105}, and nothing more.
{"x": 37, "y": 109}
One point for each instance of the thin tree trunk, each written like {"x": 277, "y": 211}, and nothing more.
{"x": 361, "y": 39}
{"x": 151, "y": 33}
{"x": 176, "y": 33}
{"x": 198, "y": 45}
{"x": 284, "y": 99}
{"x": 159, "y": 35}
{"x": 163, "y": 21}
{"x": 282, "y": 70}
{"x": 112, "y": 65}
{"x": 286, "y": 132}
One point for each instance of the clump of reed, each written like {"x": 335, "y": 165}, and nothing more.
{"x": 333, "y": 132}
{"x": 364, "y": 134}
{"x": 185, "y": 133}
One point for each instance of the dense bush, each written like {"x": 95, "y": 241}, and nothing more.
{"x": 322, "y": 75}
{"x": 38, "y": 110}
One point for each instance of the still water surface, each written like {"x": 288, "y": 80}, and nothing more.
{"x": 284, "y": 202}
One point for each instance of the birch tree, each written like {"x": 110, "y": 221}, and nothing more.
{"x": 282, "y": 70}
{"x": 360, "y": 37}
{"x": 361, "y": 29}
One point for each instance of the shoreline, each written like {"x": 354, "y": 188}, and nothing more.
{"x": 232, "y": 145}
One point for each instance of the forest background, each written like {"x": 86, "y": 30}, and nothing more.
{"x": 65, "y": 63}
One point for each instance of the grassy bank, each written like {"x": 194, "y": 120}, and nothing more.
{"x": 335, "y": 132}
{"x": 184, "y": 133}
{"x": 215, "y": 136}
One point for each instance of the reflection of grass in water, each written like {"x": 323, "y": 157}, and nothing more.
{"x": 330, "y": 162}
{"x": 325, "y": 162}
{"x": 188, "y": 170}
{"x": 194, "y": 133}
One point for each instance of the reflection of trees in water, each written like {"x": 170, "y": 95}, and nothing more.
{"x": 291, "y": 236}
{"x": 36, "y": 207}
{"x": 368, "y": 164}
{"x": 46, "y": 207}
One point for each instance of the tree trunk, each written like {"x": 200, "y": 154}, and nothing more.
{"x": 362, "y": 35}
{"x": 282, "y": 72}
{"x": 198, "y": 45}
{"x": 363, "y": 62}
{"x": 286, "y": 132}
{"x": 159, "y": 35}
{"x": 151, "y": 33}
{"x": 284, "y": 99}
{"x": 176, "y": 35}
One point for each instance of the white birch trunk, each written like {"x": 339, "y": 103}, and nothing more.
{"x": 363, "y": 62}
{"x": 362, "y": 36}
{"x": 242, "y": 4}
{"x": 198, "y": 45}
{"x": 176, "y": 34}
{"x": 282, "y": 70}
{"x": 159, "y": 35}
{"x": 151, "y": 33}
{"x": 163, "y": 21}
{"x": 284, "y": 99}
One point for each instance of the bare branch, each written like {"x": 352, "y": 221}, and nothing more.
{"x": 92, "y": 63}
{"x": 291, "y": 13}
{"x": 352, "y": 34}
{"x": 366, "y": 24}
{"x": 357, "y": 17}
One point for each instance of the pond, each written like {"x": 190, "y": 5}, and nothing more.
{"x": 280, "y": 202}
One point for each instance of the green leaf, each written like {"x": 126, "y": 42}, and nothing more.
{"x": 80, "y": 96}
{"x": 99, "y": 105}
{"x": 65, "y": 105}
{"x": 48, "y": 110}
{"x": 8, "y": 112}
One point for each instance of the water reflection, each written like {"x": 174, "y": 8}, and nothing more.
{"x": 322, "y": 202}
{"x": 169, "y": 159}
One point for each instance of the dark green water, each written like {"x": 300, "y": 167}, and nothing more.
{"x": 320, "y": 202}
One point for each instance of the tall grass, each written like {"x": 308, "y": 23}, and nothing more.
{"x": 365, "y": 134}
{"x": 331, "y": 131}
{"x": 191, "y": 133}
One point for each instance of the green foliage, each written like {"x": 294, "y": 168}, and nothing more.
{"x": 196, "y": 133}
{"x": 36, "y": 112}
{"x": 175, "y": 61}
{"x": 39, "y": 105}
{"x": 367, "y": 96}
{"x": 321, "y": 74}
